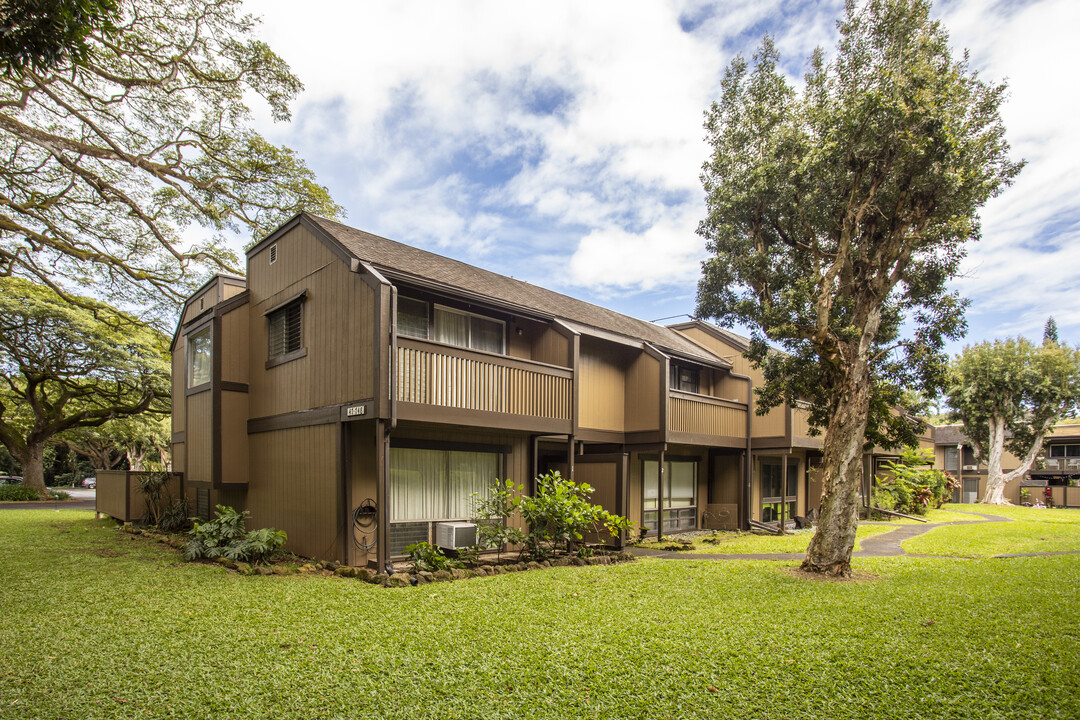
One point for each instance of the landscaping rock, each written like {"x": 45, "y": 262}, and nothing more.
{"x": 425, "y": 577}
{"x": 243, "y": 568}
{"x": 344, "y": 571}
{"x": 459, "y": 573}
{"x": 222, "y": 560}
{"x": 332, "y": 566}
{"x": 625, "y": 556}
{"x": 480, "y": 572}
{"x": 579, "y": 562}
{"x": 280, "y": 570}
{"x": 379, "y": 578}
{"x": 489, "y": 569}
{"x": 263, "y": 570}
{"x": 443, "y": 575}
{"x": 533, "y": 565}
{"x": 365, "y": 574}
{"x": 397, "y": 580}
{"x": 561, "y": 562}
{"x": 307, "y": 568}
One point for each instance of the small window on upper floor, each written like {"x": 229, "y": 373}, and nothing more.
{"x": 685, "y": 377}
{"x": 200, "y": 354}
{"x": 412, "y": 318}
{"x": 285, "y": 331}
{"x": 952, "y": 459}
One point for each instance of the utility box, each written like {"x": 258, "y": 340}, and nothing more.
{"x": 454, "y": 535}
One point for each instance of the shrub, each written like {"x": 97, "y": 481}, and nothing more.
{"x": 914, "y": 485}
{"x": 18, "y": 493}
{"x": 426, "y": 556}
{"x": 155, "y": 488}
{"x": 492, "y": 514}
{"x": 560, "y": 513}
{"x": 175, "y": 517}
{"x": 225, "y": 536}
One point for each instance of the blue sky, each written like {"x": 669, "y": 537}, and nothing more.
{"x": 561, "y": 142}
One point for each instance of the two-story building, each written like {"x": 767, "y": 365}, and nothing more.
{"x": 353, "y": 391}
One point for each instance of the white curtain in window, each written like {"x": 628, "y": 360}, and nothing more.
{"x": 649, "y": 479}
{"x": 412, "y": 318}
{"x": 682, "y": 477}
{"x": 470, "y": 472}
{"x": 200, "y": 355}
{"x": 417, "y": 484}
{"x": 487, "y": 335}
{"x": 451, "y": 328}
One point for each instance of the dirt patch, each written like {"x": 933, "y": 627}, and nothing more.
{"x": 106, "y": 553}
{"x": 857, "y": 576}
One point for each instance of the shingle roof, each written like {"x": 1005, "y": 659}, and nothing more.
{"x": 386, "y": 254}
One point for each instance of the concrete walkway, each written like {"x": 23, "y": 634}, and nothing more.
{"x": 884, "y": 545}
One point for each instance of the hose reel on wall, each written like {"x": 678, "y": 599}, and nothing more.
{"x": 365, "y": 525}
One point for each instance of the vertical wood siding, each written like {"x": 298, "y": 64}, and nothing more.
{"x": 295, "y": 487}
{"x": 552, "y": 347}
{"x": 234, "y": 437}
{"x": 603, "y": 389}
{"x": 198, "y": 436}
{"x": 179, "y": 370}
{"x": 338, "y": 328}
{"x": 235, "y": 343}
{"x": 642, "y": 408}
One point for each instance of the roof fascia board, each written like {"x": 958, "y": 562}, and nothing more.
{"x": 452, "y": 291}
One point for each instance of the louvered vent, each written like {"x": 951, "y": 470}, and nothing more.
{"x": 273, "y": 254}
{"x": 285, "y": 334}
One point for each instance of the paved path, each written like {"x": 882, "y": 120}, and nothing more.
{"x": 884, "y": 545}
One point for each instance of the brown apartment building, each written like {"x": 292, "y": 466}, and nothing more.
{"x": 356, "y": 392}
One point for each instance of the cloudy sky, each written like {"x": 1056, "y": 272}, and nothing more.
{"x": 561, "y": 142}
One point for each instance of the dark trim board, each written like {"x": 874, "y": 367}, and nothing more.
{"x": 229, "y": 386}
{"x": 204, "y": 387}
{"x": 420, "y": 444}
{"x": 681, "y": 438}
{"x": 179, "y": 438}
{"x": 481, "y": 419}
{"x": 298, "y": 419}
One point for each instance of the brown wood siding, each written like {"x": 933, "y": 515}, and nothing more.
{"x": 295, "y": 487}
{"x": 642, "y": 404}
{"x": 730, "y": 388}
{"x": 701, "y": 415}
{"x": 362, "y": 480}
{"x": 229, "y": 290}
{"x": 603, "y": 389}
{"x": 552, "y": 347}
{"x": 635, "y": 497}
{"x": 442, "y": 376}
{"x": 337, "y": 328}
{"x": 209, "y": 298}
{"x": 179, "y": 457}
{"x": 773, "y": 424}
{"x": 179, "y": 381}
{"x": 111, "y": 495}
{"x": 199, "y": 464}
{"x": 235, "y": 343}
{"x": 234, "y": 437}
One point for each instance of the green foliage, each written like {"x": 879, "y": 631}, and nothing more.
{"x": 225, "y": 536}
{"x": 425, "y": 556}
{"x": 116, "y": 153}
{"x": 175, "y": 516}
{"x": 154, "y": 487}
{"x": 836, "y": 217}
{"x": 559, "y": 514}
{"x": 39, "y": 35}
{"x": 1050, "y": 331}
{"x": 913, "y": 484}
{"x": 19, "y": 493}
{"x": 1020, "y": 387}
{"x": 65, "y": 366}
{"x": 492, "y": 515}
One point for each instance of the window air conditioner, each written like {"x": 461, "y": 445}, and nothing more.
{"x": 971, "y": 467}
{"x": 455, "y": 535}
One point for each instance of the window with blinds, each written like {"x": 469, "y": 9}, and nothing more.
{"x": 286, "y": 334}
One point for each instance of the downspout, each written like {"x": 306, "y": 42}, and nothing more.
{"x": 748, "y": 466}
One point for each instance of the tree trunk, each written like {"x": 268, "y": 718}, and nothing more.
{"x": 995, "y": 478}
{"x": 841, "y": 470}
{"x": 33, "y": 466}
{"x": 135, "y": 458}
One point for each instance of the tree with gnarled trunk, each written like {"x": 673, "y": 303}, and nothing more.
{"x": 112, "y": 159}
{"x": 1008, "y": 395}
{"x": 65, "y": 366}
{"x": 835, "y": 219}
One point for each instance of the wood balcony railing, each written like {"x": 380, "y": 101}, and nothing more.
{"x": 444, "y": 376}
{"x": 703, "y": 415}
{"x": 1062, "y": 464}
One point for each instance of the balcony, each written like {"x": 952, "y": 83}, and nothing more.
{"x": 442, "y": 383}
{"x": 701, "y": 419}
{"x": 1062, "y": 464}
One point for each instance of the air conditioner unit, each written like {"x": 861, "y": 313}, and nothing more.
{"x": 971, "y": 467}
{"x": 455, "y": 535}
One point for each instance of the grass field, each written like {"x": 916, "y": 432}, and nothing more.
{"x": 1031, "y": 530}
{"x": 96, "y": 624}
{"x": 737, "y": 543}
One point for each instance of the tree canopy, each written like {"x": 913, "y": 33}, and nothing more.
{"x": 1008, "y": 394}
{"x": 836, "y": 217}
{"x": 65, "y": 366}
{"x": 42, "y": 34}
{"x": 115, "y": 158}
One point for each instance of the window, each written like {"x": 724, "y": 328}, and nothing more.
{"x": 412, "y": 318}
{"x": 679, "y": 493}
{"x": 199, "y": 356}
{"x": 453, "y": 327}
{"x": 428, "y": 486}
{"x": 285, "y": 331}
{"x": 685, "y": 378}
{"x": 1065, "y": 451}
{"x": 952, "y": 460}
{"x": 772, "y": 490}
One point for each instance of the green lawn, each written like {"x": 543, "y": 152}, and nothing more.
{"x": 99, "y": 625}
{"x": 945, "y": 514}
{"x": 1031, "y": 530}
{"x": 738, "y": 543}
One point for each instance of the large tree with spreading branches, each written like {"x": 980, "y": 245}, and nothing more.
{"x": 67, "y": 365}
{"x": 1009, "y": 394}
{"x": 128, "y": 165}
{"x": 836, "y": 216}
